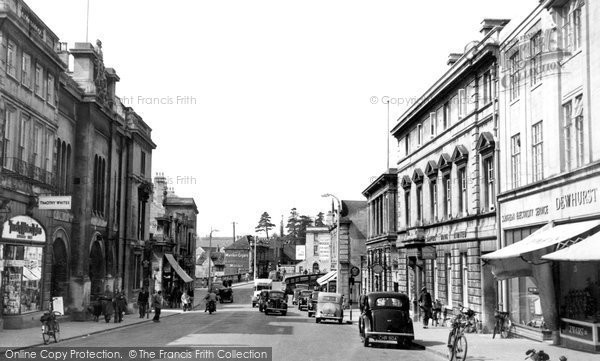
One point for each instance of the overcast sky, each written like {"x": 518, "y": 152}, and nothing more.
{"x": 279, "y": 93}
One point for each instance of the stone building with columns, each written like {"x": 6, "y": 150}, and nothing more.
{"x": 447, "y": 173}
{"x": 381, "y": 268}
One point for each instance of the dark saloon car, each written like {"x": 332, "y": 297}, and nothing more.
{"x": 276, "y": 302}
{"x": 303, "y": 299}
{"x": 311, "y": 307}
{"x": 386, "y": 318}
{"x": 225, "y": 294}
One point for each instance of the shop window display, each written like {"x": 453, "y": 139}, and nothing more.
{"x": 524, "y": 302}
{"x": 580, "y": 291}
{"x": 21, "y": 281}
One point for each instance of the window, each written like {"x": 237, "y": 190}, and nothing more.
{"x": 515, "y": 150}
{"x": 420, "y": 135}
{"x": 470, "y": 100}
{"x": 462, "y": 103}
{"x": 487, "y": 87}
{"x": 448, "y": 195}
{"x": 446, "y": 121}
{"x": 462, "y": 183}
{"x": 39, "y": 84}
{"x": 419, "y": 203}
{"x": 537, "y": 142}
{"x": 316, "y": 249}
{"x": 432, "y": 123}
{"x": 536, "y": 58}
{"x": 514, "y": 67}
{"x": 26, "y": 70}
{"x": 407, "y": 207}
{"x": 488, "y": 182}
{"x": 407, "y": 144}
{"x": 49, "y": 151}
{"x": 23, "y": 140}
{"x": 50, "y": 90}
{"x": 465, "y": 279}
{"x": 573, "y": 133}
{"x": 435, "y": 279}
{"x": 143, "y": 163}
{"x": 141, "y": 214}
{"x": 434, "y": 195}
{"x": 9, "y": 139}
{"x": 99, "y": 185}
{"x": 21, "y": 278}
{"x": 11, "y": 59}
{"x": 572, "y": 26}
{"x": 454, "y": 105}
{"x": 449, "y": 279}
{"x": 137, "y": 273}
{"x": 37, "y": 146}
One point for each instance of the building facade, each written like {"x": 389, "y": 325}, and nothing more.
{"x": 381, "y": 268}
{"x": 447, "y": 173}
{"x": 550, "y": 172}
{"x": 317, "y": 251}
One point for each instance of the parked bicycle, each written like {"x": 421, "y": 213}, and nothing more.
{"x": 457, "y": 341}
{"x": 50, "y": 325}
{"x": 503, "y": 326}
{"x": 540, "y": 356}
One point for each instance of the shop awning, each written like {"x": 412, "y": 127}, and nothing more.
{"x": 329, "y": 276}
{"x": 585, "y": 250}
{"x": 184, "y": 276}
{"x": 544, "y": 237}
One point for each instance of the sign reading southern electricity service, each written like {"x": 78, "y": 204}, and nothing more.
{"x": 568, "y": 201}
{"x": 54, "y": 202}
{"x": 23, "y": 228}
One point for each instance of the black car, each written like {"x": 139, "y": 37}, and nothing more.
{"x": 312, "y": 303}
{"x": 276, "y": 302}
{"x": 225, "y": 295}
{"x": 386, "y": 318}
{"x": 303, "y": 299}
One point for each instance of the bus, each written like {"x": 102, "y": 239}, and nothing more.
{"x": 308, "y": 279}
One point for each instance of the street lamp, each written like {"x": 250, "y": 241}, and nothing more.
{"x": 337, "y": 251}
{"x": 209, "y": 260}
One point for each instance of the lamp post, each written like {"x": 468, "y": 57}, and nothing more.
{"x": 337, "y": 241}
{"x": 255, "y": 243}
{"x": 209, "y": 260}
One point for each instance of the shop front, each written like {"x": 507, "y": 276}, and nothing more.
{"x": 550, "y": 298}
{"x": 21, "y": 276}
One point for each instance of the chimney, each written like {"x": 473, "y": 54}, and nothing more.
{"x": 488, "y": 25}
{"x": 63, "y": 53}
{"x": 85, "y": 58}
{"x": 453, "y": 58}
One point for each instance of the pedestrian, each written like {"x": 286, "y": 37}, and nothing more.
{"x": 157, "y": 303}
{"x": 362, "y": 300}
{"x": 426, "y": 305}
{"x": 142, "y": 302}
{"x": 119, "y": 303}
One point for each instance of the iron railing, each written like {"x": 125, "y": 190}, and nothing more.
{"x": 27, "y": 170}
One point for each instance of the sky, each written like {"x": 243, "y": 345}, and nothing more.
{"x": 266, "y": 105}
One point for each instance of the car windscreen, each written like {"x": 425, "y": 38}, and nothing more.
{"x": 329, "y": 299}
{"x": 388, "y": 302}
{"x": 305, "y": 294}
{"x": 276, "y": 295}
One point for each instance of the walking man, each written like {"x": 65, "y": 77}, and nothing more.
{"x": 426, "y": 305}
{"x": 157, "y": 303}
{"x": 143, "y": 302}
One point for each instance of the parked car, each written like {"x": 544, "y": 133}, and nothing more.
{"x": 386, "y": 318}
{"x": 329, "y": 307}
{"x": 296, "y": 295}
{"x": 225, "y": 295}
{"x": 303, "y": 299}
{"x": 276, "y": 302}
{"x": 311, "y": 307}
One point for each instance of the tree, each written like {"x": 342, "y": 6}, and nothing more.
{"x": 319, "y": 222}
{"x": 305, "y": 221}
{"x": 292, "y": 224}
{"x": 264, "y": 224}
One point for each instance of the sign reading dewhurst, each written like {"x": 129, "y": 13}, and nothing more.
{"x": 139, "y": 353}
{"x": 54, "y": 202}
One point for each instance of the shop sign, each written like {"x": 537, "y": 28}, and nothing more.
{"x": 23, "y": 228}
{"x": 300, "y": 253}
{"x": 576, "y": 330}
{"x": 567, "y": 201}
{"x": 54, "y": 202}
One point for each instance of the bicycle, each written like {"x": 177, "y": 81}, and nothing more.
{"x": 457, "y": 341}
{"x": 540, "y": 356}
{"x": 503, "y": 326}
{"x": 50, "y": 325}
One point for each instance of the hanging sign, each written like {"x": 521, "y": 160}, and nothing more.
{"x": 23, "y": 228}
{"x": 54, "y": 202}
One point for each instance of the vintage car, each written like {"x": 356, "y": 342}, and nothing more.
{"x": 311, "y": 307}
{"x": 276, "y": 302}
{"x": 329, "y": 307}
{"x": 225, "y": 295}
{"x": 296, "y": 295}
{"x": 385, "y": 317}
{"x": 303, "y": 299}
